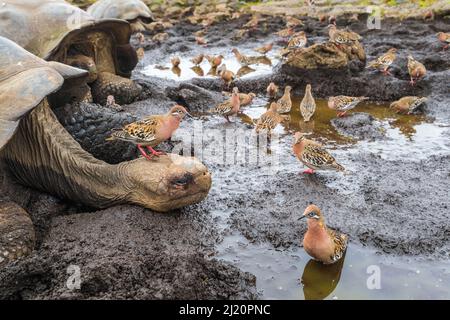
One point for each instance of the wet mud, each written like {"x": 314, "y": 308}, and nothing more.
{"x": 393, "y": 202}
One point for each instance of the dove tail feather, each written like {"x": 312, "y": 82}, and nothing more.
{"x": 338, "y": 167}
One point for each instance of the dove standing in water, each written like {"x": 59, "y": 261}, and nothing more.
{"x": 308, "y": 104}
{"x": 342, "y": 104}
{"x": 320, "y": 242}
{"x": 285, "y": 102}
{"x": 269, "y": 120}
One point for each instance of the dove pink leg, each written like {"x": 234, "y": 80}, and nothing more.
{"x": 309, "y": 171}
{"x": 154, "y": 152}
{"x": 148, "y": 157}
{"x": 386, "y": 72}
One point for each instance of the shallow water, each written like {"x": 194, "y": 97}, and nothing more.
{"x": 186, "y": 70}
{"x": 290, "y": 273}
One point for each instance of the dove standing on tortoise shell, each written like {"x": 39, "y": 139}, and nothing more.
{"x": 445, "y": 38}
{"x": 285, "y": 102}
{"x": 308, "y": 104}
{"x": 151, "y": 131}
{"x": 269, "y": 120}
{"x": 407, "y": 105}
{"x": 416, "y": 70}
{"x": 383, "y": 62}
{"x": 230, "y": 107}
{"x": 312, "y": 155}
{"x": 342, "y": 104}
{"x": 320, "y": 242}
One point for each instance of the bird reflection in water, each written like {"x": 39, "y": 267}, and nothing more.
{"x": 320, "y": 280}
{"x": 198, "y": 71}
{"x": 212, "y": 71}
{"x": 176, "y": 71}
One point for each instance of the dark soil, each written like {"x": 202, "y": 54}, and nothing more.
{"x": 398, "y": 206}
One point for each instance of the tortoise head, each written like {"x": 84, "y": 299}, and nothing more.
{"x": 85, "y": 63}
{"x": 167, "y": 183}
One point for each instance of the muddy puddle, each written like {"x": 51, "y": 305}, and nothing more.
{"x": 187, "y": 70}
{"x": 290, "y": 273}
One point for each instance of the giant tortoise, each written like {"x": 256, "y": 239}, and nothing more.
{"x": 134, "y": 11}
{"x": 41, "y": 154}
{"x": 55, "y": 30}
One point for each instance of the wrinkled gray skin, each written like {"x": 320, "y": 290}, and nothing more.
{"x": 41, "y": 154}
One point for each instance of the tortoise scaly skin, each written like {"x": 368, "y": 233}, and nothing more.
{"x": 38, "y": 152}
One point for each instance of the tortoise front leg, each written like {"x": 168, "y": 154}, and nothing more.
{"x": 124, "y": 90}
{"x": 17, "y": 236}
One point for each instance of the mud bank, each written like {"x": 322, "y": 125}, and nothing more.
{"x": 394, "y": 200}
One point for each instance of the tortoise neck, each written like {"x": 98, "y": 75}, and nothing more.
{"x": 43, "y": 155}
